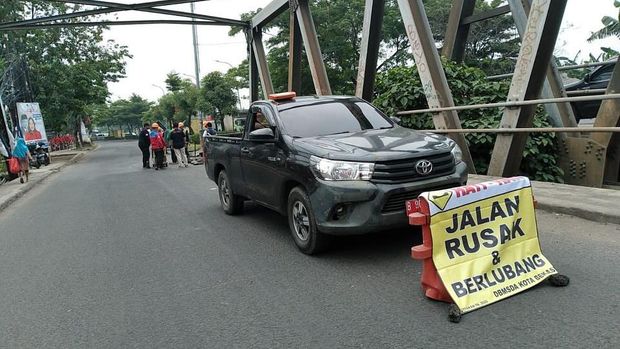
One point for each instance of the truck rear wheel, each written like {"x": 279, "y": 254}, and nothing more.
{"x": 302, "y": 224}
{"x": 231, "y": 203}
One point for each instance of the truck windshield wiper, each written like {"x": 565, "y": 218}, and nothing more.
{"x": 385, "y": 127}
{"x": 337, "y": 133}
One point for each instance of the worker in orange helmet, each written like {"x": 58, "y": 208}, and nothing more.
{"x": 158, "y": 144}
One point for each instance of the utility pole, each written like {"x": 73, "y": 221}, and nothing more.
{"x": 196, "y": 58}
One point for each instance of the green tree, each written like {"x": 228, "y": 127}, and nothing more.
{"x": 187, "y": 102}
{"x": 128, "y": 113}
{"x": 174, "y": 82}
{"x": 217, "y": 96}
{"x": 181, "y": 103}
{"x": 163, "y": 111}
{"x": 101, "y": 116}
{"x": 493, "y": 44}
{"x": 69, "y": 68}
{"x": 124, "y": 114}
{"x": 611, "y": 26}
{"x": 400, "y": 89}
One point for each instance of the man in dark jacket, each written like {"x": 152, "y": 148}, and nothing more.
{"x": 187, "y": 138}
{"x": 143, "y": 143}
{"x": 177, "y": 136}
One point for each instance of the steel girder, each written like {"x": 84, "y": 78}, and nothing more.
{"x": 369, "y": 48}
{"x": 431, "y": 72}
{"x": 126, "y": 7}
{"x": 313, "y": 49}
{"x": 560, "y": 114}
{"x": 261, "y": 63}
{"x": 456, "y": 32}
{"x": 294, "y": 54}
{"x": 110, "y": 7}
{"x": 539, "y": 39}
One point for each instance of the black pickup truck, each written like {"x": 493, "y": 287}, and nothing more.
{"x": 332, "y": 164}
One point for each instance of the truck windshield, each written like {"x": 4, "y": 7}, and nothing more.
{"x": 332, "y": 117}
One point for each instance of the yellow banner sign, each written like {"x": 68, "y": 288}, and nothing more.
{"x": 485, "y": 241}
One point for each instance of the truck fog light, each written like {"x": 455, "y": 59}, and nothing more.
{"x": 339, "y": 211}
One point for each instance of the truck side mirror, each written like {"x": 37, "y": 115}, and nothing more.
{"x": 262, "y": 134}
{"x": 395, "y": 119}
{"x": 587, "y": 77}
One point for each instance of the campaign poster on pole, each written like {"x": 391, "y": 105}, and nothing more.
{"x": 31, "y": 122}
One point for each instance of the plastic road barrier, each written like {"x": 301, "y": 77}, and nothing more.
{"x": 480, "y": 242}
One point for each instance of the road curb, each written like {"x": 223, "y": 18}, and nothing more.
{"x": 579, "y": 212}
{"x": 31, "y": 184}
{"x": 572, "y": 200}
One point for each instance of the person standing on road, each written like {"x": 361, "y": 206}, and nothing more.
{"x": 187, "y": 139}
{"x": 177, "y": 137}
{"x": 208, "y": 131}
{"x": 21, "y": 152}
{"x": 158, "y": 144}
{"x": 166, "y": 133}
{"x": 143, "y": 143}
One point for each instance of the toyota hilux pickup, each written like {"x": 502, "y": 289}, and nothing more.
{"x": 334, "y": 165}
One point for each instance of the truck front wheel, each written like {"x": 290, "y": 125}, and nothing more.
{"x": 302, "y": 224}
{"x": 231, "y": 203}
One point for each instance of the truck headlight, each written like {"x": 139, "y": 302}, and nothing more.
{"x": 457, "y": 153}
{"x": 332, "y": 170}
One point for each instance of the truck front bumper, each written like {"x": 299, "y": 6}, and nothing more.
{"x": 359, "y": 207}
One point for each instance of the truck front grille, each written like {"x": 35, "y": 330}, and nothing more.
{"x": 402, "y": 171}
{"x": 396, "y": 201}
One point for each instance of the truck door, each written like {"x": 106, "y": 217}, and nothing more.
{"x": 262, "y": 160}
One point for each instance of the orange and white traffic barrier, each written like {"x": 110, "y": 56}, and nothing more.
{"x": 418, "y": 213}
{"x": 480, "y": 243}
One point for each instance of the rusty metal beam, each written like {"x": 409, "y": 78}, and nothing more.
{"x": 136, "y": 7}
{"x": 560, "y": 114}
{"x": 369, "y": 48}
{"x": 455, "y": 39}
{"x": 294, "y": 55}
{"x": 513, "y": 104}
{"x": 609, "y": 112}
{"x": 253, "y": 70}
{"x": 260, "y": 58}
{"x": 431, "y": 72}
{"x": 534, "y": 57}
{"x": 115, "y": 5}
{"x": 269, "y": 12}
{"x": 609, "y": 115}
{"x": 533, "y": 130}
{"x": 107, "y": 23}
{"x": 313, "y": 49}
{"x": 481, "y": 16}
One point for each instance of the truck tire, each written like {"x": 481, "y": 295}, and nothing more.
{"x": 302, "y": 224}
{"x": 231, "y": 203}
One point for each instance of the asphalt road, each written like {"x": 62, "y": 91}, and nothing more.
{"x": 107, "y": 255}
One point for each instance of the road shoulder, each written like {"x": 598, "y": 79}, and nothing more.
{"x": 13, "y": 190}
{"x": 594, "y": 204}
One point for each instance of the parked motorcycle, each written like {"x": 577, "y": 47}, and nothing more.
{"x": 40, "y": 154}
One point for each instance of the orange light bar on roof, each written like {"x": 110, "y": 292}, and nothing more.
{"x": 282, "y": 96}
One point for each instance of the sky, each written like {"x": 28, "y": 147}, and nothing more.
{"x": 160, "y": 49}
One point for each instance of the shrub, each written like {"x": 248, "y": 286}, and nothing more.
{"x": 61, "y": 142}
{"x": 194, "y": 138}
{"x": 400, "y": 89}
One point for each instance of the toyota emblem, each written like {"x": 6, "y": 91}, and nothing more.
{"x": 423, "y": 167}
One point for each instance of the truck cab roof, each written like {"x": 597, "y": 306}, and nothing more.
{"x": 285, "y": 104}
